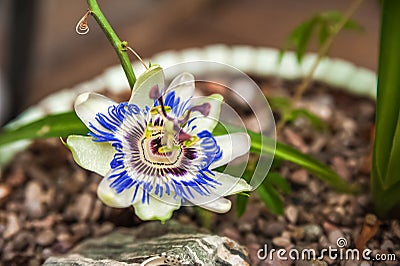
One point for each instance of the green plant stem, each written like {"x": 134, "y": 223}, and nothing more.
{"x": 323, "y": 50}
{"x": 119, "y": 46}
{"x": 385, "y": 176}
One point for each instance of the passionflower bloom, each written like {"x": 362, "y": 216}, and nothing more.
{"x": 157, "y": 151}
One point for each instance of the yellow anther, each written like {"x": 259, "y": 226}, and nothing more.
{"x": 148, "y": 133}
{"x": 165, "y": 149}
{"x": 190, "y": 142}
{"x": 154, "y": 110}
{"x": 150, "y": 129}
{"x": 157, "y": 110}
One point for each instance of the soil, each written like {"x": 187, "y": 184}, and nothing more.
{"x": 48, "y": 204}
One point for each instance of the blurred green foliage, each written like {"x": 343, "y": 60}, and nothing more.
{"x": 320, "y": 26}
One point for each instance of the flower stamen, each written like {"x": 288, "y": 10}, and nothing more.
{"x": 190, "y": 142}
{"x": 172, "y": 128}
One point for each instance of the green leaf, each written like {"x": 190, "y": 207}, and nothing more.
{"x": 353, "y": 25}
{"x": 393, "y": 169}
{"x": 333, "y": 17}
{"x": 386, "y": 201}
{"x": 301, "y": 36}
{"x": 271, "y": 199}
{"x": 59, "y": 125}
{"x": 388, "y": 97}
{"x": 279, "y": 103}
{"x": 316, "y": 122}
{"x": 283, "y": 106}
{"x": 241, "y": 204}
{"x": 269, "y": 192}
{"x": 385, "y": 180}
{"x": 275, "y": 179}
{"x": 324, "y": 32}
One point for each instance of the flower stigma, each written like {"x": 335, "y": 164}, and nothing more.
{"x": 172, "y": 130}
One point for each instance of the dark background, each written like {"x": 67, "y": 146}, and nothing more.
{"x": 41, "y": 53}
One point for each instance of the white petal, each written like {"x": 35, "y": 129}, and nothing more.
{"x": 145, "y": 82}
{"x": 113, "y": 199}
{"x": 207, "y": 122}
{"x": 88, "y": 104}
{"x": 93, "y": 156}
{"x": 220, "y": 205}
{"x": 157, "y": 209}
{"x": 229, "y": 185}
{"x": 232, "y": 145}
{"x": 216, "y": 202}
{"x": 183, "y": 85}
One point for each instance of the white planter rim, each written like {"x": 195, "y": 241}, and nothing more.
{"x": 258, "y": 61}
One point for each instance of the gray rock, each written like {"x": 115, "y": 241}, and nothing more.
{"x": 370, "y": 219}
{"x": 310, "y": 263}
{"x": 81, "y": 261}
{"x": 292, "y": 213}
{"x": 314, "y": 187}
{"x": 273, "y": 229}
{"x": 395, "y": 228}
{"x": 387, "y": 244}
{"x": 281, "y": 241}
{"x": 45, "y": 237}
{"x": 80, "y": 230}
{"x": 105, "y": 228}
{"x": 297, "y": 233}
{"x": 340, "y": 166}
{"x": 230, "y": 232}
{"x": 33, "y": 200}
{"x": 12, "y": 227}
{"x": 83, "y": 206}
{"x": 300, "y": 177}
{"x": 335, "y": 235}
{"x": 245, "y": 227}
{"x": 296, "y": 140}
{"x": 81, "y": 209}
{"x": 334, "y": 217}
{"x": 22, "y": 240}
{"x": 4, "y": 191}
{"x": 96, "y": 211}
{"x": 312, "y": 232}
{"x": 363, "y": 200}
{"x": 351, "y": 263}
{"x": 152, "y": 244}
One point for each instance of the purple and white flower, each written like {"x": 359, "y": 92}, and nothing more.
{"x": 157, "y": 151}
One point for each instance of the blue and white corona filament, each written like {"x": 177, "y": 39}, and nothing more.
{"x": 157, "y": 151}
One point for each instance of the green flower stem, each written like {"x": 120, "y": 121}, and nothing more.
{"x": 119, "y": 46}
